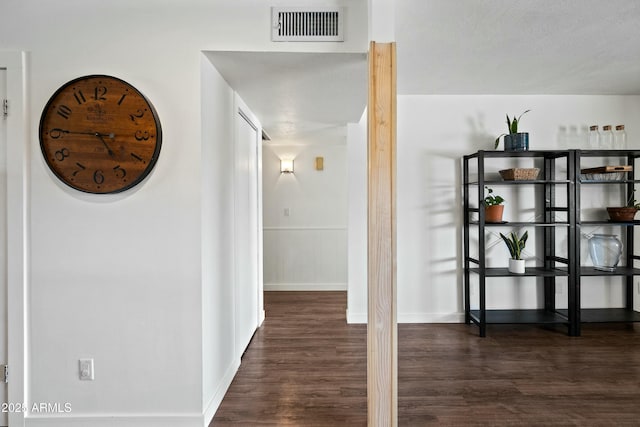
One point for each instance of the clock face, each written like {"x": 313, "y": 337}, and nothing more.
{"x": 99, "y": 134}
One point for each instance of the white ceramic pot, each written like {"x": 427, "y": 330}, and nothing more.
{"x": 516, "y": 266}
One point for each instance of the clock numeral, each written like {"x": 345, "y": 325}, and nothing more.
{"x": 122, "y": 99}
{"x": 81, "y": 168}
{"x": 138, "y": 115}
{"x": 64, "y": 111}
{"x": 56, "y": 133}
{"x": 142, "y": 135}
{"x": 99, "y": 93}
{"x": 79, "y": 96}
{"x": 98, "y": 177}
{"x": 138, "y": 158}
{"x": 120, "y": 172}
{"x": 62, "y": 154}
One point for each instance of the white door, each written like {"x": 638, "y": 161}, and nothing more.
{"x": 246, "y": 231}
{"x": 3, "y": 247}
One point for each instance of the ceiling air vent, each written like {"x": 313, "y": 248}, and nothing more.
{"x": 307, "y": 24}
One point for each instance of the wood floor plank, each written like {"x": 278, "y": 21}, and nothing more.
{"x": 307, "y": 367}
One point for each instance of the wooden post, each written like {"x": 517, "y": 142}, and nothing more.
{"x": 382, "y": 360}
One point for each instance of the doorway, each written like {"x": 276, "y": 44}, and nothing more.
{"x": 3, "y": 248}
{"x": 246, "y": 213}
{"x": 304, "y": 102}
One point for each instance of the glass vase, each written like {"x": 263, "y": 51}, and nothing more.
{"x": 605, "y": 251}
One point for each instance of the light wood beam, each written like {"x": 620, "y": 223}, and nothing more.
{"x": 382, "y": 360}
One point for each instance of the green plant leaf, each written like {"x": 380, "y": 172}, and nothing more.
{"x": 515, "y": 244}
{"x": 516, "y": 122}
{"x": 509, "y": 124}
{"x": 509, "y": 244}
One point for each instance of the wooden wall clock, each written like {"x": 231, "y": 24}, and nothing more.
{"x": 99, "y": 134}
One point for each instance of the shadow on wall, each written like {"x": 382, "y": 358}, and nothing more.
{"x": 441, "y": 235}
{"x": 478, "y": 136}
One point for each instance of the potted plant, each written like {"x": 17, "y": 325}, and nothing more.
{"x": 516, "y": 245}
{"x": 514, "y": 140}
{"x": 624, "y": 213}
{"x": 493, "y": 207}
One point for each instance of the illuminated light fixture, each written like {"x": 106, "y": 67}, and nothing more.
{"x": 286, "y": 166}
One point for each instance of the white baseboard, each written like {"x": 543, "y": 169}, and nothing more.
{"x": 216, "y": 400}
{"x": 114, "y": 420}
{"x": 431, "y": 318}
{"x": 137, "y": 420}
{"x": 358, "y": 318}
{"x": 305, "y": 286}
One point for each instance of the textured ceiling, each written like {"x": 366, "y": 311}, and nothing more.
{"x": 518, "y": 46}
{"x": 299, "y": 97}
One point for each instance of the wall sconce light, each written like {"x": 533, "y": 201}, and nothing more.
{"x": 286, "y": 166}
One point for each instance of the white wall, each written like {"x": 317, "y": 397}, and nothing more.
{"x": 357, "y": 220}
{"x": 120, "y": 278}
{"x": 218, "y": 367}
{"x": 306, "y": 250}
{"x": 434, "y": 132}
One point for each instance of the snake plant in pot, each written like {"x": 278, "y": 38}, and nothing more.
{"x": 514, "y": 140}
{"x": 515, "y": 245}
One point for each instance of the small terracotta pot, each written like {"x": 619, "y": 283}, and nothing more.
{"x": 493, "y": 213}
{"x": 622, "y": 214}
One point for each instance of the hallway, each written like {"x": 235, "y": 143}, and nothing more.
{"x": 307, "y": 367}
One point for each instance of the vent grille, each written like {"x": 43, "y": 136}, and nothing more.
{"x": 298, "y": 24}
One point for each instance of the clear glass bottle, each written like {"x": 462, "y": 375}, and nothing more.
{"x": 594, "y": 137}
{"x": 606, "y": 138}
{"x": 620, "y": 138}
{"x": 572, "y": 138}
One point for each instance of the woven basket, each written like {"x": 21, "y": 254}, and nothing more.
{"x": 519, "y": 174}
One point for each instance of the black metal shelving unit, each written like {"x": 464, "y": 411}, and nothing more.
{"x": 553, "y": 266}
{"x": 627, "y": 313}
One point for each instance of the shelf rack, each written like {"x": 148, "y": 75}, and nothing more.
{"x": 550, "y": 269}
{"x": 554, "y": 266}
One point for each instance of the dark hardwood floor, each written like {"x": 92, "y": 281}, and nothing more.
{"x": 307, "y": 367}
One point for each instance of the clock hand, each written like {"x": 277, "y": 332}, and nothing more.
{"x": 99, "y": 135}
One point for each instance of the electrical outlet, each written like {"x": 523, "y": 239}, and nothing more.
{"x": 86, "y": 369}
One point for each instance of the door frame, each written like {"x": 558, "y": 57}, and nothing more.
{"x": 17, "y": 227}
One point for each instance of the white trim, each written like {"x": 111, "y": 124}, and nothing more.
{"x": 305, "y": 286}
{"x": 17, "y": 228}
{"x": 357, "y": 318}
{"x": 115, "y": 420}
{"x": 216, "y": 400}
{"x": 304, "y": 228}
{"x": 431, "y": 318}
